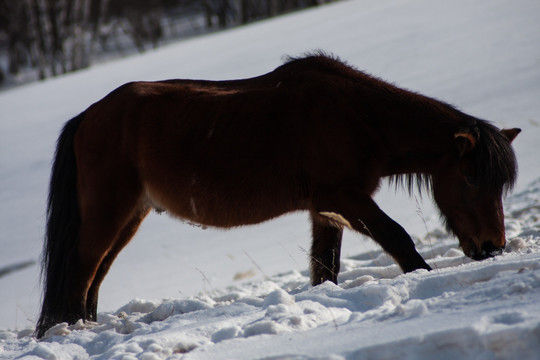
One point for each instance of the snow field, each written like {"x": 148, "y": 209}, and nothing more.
{"x": 472, "y": 309}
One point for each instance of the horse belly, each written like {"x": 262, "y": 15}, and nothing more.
{"x": 222, "y": 203}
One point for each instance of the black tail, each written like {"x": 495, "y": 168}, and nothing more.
{"x": 63, "y": 223}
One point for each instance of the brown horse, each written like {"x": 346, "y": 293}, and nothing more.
{"x": 315, "y": 134}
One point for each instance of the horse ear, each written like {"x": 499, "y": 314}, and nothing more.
{"x": 465, "y": 142}
{"x": 510, "y": 134}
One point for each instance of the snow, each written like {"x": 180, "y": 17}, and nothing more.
{"x": 172, "y": 294}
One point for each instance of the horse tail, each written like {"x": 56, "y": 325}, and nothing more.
{"x": 62, "y": 230}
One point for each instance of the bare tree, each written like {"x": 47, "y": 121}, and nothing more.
{"x": 13, "y": 23}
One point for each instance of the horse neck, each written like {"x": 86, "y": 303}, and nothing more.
{"x": 419, "y": 135}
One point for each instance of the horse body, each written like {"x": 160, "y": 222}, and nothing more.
{"x": 313, "y": 135}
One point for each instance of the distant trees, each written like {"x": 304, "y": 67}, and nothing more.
{"x": 244, "y": 11}
{"x": 49, "y": 35}
{"x": 57, "y": 36}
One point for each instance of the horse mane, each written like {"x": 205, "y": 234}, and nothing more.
{"x": 320, "y": 56}
{"x": 493, "y": 158}
{"x": 322, "y": 61}
{"x": 327, "y": 63}
{"x": 410, "y": 181}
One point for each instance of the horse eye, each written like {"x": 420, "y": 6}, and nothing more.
{"x": 470, "y": 180}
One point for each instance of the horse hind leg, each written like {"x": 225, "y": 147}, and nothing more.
{"x": 125, "y": 235}
{"x": 325, "y": 249}
{"x": 109, "y": 206}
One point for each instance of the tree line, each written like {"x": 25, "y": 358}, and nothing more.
{"x": 53, "y": 37}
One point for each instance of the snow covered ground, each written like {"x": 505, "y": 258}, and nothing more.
{"x": 172, "y": 292}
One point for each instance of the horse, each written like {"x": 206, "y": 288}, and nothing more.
{"x": 314, "y": 135}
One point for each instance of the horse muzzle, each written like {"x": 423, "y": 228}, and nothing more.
{"x": 487, "y": 250}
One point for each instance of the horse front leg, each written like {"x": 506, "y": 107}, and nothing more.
{"x": 363, "y": 215}
{"x": 325, "y": 249}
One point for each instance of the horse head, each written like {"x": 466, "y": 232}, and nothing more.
{"x": 469, "y": 184}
